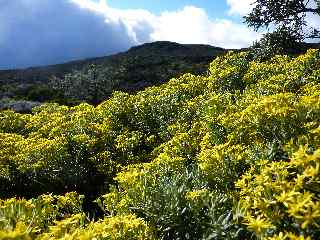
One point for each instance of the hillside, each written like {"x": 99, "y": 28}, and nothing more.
{"x": 233, "y": 154}
{"x": 141, "y": 66}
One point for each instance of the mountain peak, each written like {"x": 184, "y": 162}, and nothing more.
{"x": 166, "y": 48}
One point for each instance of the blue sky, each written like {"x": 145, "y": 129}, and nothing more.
{"x": 214, "y": 8}
{"x": 42, "y": 32}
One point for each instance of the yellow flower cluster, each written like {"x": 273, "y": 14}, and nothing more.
{"x": 196, "y": 194}
{"x": 281, "y": 194}
{"x": 113, "y": 228}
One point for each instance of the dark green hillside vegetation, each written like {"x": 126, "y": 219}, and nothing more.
{"x": 93, "y": 80}
{"x": 234, "y": 154}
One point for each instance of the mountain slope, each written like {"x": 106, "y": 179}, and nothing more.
{"x": 141, "y": 66}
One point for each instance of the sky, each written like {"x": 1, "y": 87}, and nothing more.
{"x": 214, "y": 8}
{"x": 43, "y": 32}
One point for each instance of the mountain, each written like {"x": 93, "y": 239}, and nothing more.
{"x": 139, "y": 67}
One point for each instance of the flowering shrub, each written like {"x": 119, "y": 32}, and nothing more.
{"x": 234, "y": 154}
{"x": 282, "y": 198}
{"x": 25, "y": 219}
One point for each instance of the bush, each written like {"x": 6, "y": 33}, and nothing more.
{"x": 167, "y": 158}
{"x": 282, "y": 198}
{"x": 26, "y": 219}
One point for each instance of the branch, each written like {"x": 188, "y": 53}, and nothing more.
{"x": 313, "y": 37}
{"x": 311, "y": 10}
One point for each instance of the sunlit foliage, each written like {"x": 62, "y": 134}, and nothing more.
{"x": 230, "y": 155}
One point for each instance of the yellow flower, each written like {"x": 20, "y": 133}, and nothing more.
{"x": 280, "y": 236}
{"x": 196, "y": 194}
{"x": 259, "y": 224}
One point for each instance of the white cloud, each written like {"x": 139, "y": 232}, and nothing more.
{"x": 192, "y": 25}
{"x": 232, "y": 35}
{"x": 240, "y": 7}
{"x": 187, "y": 25}
{"x": 137, "y": 21}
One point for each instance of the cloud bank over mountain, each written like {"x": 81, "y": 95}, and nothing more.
{"x": 187, "y": 25}
{"x": 41, "y": 32}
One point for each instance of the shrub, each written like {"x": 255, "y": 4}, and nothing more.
{"x": 282, "y": 198}
{"x": 26, "y": 219}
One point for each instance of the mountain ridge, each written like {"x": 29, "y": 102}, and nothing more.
{"x": 142, "y": 66}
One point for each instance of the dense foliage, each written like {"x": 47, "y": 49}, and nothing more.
{"x": 230, "y": 155}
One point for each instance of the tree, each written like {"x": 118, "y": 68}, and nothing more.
{"x": 91, "y": 84}
{"x": 288, "y": 20}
